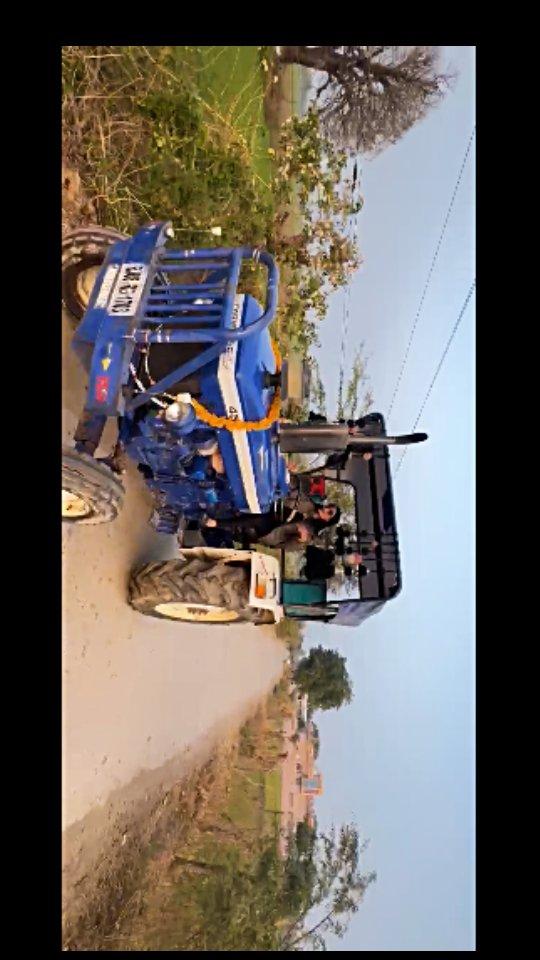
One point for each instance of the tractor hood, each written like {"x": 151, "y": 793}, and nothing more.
{"x": 234, "y": 386}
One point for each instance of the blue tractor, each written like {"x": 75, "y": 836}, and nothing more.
{"x": 185, "y": 363}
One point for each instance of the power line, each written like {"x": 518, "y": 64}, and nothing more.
{"x": 438, "y": 370}
{"x": 430, "y": 272}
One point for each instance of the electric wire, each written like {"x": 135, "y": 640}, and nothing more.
{"x": 430, "y": 271}
{"x": 438, "y": 369}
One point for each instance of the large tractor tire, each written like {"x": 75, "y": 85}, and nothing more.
{"x": 91, "y": 492}
{"x": 313, "y": 437}
{"x": 195, "y": 590}
{"x": 83, "y": 253}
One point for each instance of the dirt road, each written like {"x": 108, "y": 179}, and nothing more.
{"x": 143, "y": 699}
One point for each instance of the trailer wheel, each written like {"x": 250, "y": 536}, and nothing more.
{"x": 91, "y": 492}
{"x": 83, "y": 252}
{"x": 313, "y": 437}
{"x": 195, "y": 591}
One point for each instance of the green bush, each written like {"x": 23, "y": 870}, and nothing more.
{"x": 179, "y": 133}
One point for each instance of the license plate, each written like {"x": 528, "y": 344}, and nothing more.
{"x": 104, "y": 293}
{"x": 128, "y": 290}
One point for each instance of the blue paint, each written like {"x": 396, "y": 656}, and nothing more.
{"x": 115, "y": 331}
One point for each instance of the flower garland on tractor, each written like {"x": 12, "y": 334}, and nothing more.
{"x": 226, "y": 423}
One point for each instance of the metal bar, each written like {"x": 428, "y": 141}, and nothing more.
{"x": 236, "y": 257}
{"x": 213, "y": 335}
{"x": 190, "y": 256}
{"x": 194, "y": 308}
{"x": 230, "y": 289}
{"x": 180, "y": 321}
{"x": 221, "y": 334}
{"x": 181, "y": 373}
{"x": 192, "y": 267}
{"x": 377, "y": 529}
{"x": 181, "y": 293}
{"x": 272, "y": 285}
{"x": 195, "y": 288}
{"x": 205, "y": 252}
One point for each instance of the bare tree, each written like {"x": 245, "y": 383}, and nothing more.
{"x": 372, "y": 95}
{"x": 350, "y": 403}
{"x": 317, "y": 398}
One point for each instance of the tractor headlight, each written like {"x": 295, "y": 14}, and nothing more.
{"x": 177, "y": 411}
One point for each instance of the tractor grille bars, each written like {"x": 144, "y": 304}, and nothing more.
{"x": 191, "y": 290}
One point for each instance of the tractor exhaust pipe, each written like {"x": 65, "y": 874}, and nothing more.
{"x": 402, "y": 440}
{"x": 334, "y": 438}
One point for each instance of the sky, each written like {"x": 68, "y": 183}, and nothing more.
{"x": 399, "y": 760}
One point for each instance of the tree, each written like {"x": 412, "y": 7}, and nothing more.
{"x": 322, "y": 256}
{"x": 372, "y": 94}
{"x": 300, "y": 869}
{"x": 326, "y": 883}
{"x": 323, "y": 676}
{"x": 316, "y": 739}
{"x": 350, "y": 402}
{"x": 260, "y": 901}
{"x": 317, "y": 393}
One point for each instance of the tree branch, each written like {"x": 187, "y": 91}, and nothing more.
{"x": 309, "y": 933}
{"x": 321, "y": 89}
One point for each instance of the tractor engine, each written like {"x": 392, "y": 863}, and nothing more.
{"x": 174, "y": 454}
{"x": 174, "y": 449}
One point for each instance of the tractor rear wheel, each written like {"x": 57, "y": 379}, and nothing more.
{"x": 91, "y": 492}
{"x": 195, "y": 590}
{"x": 83, "y": 253}
{"x": 313, "y": 437}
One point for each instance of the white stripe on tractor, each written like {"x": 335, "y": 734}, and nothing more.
{"x": 233, "y": 409}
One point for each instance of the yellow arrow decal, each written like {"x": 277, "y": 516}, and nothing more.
{"x": 106, "y": 363}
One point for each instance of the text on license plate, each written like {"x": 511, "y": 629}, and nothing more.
{"x": 128, "y": 289}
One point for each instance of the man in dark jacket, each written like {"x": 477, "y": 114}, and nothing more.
{"x": 268, "y": 529}
{"x": 320, "y": 564}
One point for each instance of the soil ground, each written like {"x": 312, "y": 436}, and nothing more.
{"x": 148, "y": 705}
{"x": 145, "y": 701}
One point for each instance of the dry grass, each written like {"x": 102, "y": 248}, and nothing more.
{"x": 120, "y": 883}
{"x": 142, "y": 136}
{"x": 142, "y": 894}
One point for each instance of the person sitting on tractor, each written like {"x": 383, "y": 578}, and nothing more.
{"x": 294, "y": 535}
{"x": 355, "y": 427}
{"x": 359, "y": 425}
{"x": 267, "y": 529}
{"x": 328, "y": 460}
{"x": 320, "y": 564}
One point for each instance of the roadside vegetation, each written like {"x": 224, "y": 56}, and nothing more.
{"x": 212, "y": 139}
{"x": 322, "y": 675}
{"x": 201, "y": 136}
{"x": 170, "y": 133}
{"x": 210, "y": 876}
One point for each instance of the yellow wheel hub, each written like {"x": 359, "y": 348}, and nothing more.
{"x": 74, "y": 506}
{"x": 196, "y": 612}
{"x": 85, "y": 284}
